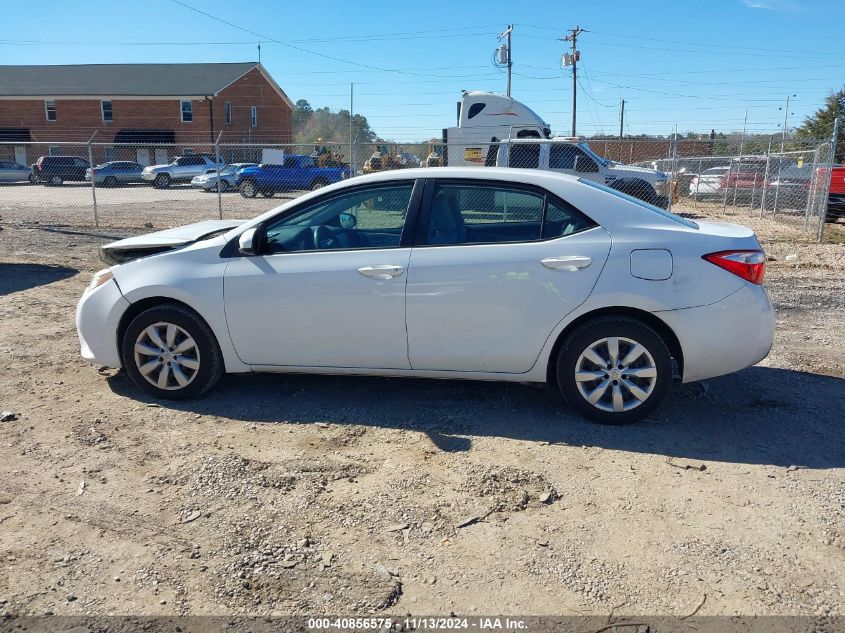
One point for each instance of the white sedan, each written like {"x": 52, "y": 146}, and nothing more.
{"x": 473, "y": 273}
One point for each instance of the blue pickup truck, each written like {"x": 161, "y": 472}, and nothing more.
{"x": 297, "y": 172}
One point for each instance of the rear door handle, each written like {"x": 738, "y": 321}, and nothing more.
{"x": 568, "y": 263}
{"x": 382, "y": 271}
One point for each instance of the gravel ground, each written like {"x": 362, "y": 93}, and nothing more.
{"x": 297, "y": 494}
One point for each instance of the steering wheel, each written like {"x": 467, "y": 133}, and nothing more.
{"x": 323, "y": 237}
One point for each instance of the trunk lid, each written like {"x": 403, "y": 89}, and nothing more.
{"x": 142, "y": 245}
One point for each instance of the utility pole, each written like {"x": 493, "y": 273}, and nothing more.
{"x": 785, "y": 118}
{"x": 259, "y": 52}
{"x": 572, "y": 59}
{"x": 505, "y": 56}
{"x": 351, "y": 139}
{"x": 621, "y": 119}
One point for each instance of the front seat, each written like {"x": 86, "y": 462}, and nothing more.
{"x": 446, "y": 225}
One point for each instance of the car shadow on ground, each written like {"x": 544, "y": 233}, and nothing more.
{"x": 18, "y": 277}
{"x": 760, "y": 415}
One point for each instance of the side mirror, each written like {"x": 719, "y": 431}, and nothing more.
{"x": 246, "y": 243}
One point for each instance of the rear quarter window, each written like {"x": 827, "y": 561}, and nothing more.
{"x": 645, "y": 205}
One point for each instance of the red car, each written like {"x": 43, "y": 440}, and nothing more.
{"x": 746, "y": 177}
{"x": 836, "y": 199}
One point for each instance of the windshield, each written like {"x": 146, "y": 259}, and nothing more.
{"x": 642, "y": 203}
{"x": 594, "y": 156}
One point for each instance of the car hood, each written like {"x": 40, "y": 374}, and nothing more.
{"x": 154, "y": 167}
{"x": 632, "y": 170}
{"x": 141, "y": 245}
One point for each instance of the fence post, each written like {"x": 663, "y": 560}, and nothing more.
{"x": 765, "y": 179}
{"x": 829, "y": 174}
{"x": 93, "y": 184}
{"x": 672, "y": 182}
{"x": 217, "y": 161}
{"x": 811, "y": 192}
{"x": 697, "y": 183}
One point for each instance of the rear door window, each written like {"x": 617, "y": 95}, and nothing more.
{"x": 524, "y": 155}
{"x": 490, "y": 213}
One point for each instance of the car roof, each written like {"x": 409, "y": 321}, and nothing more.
{"x": 609, "y": 210}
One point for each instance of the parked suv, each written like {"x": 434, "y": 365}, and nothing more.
{"x": 55, "y": 170}
{"x": 180, "y": 169}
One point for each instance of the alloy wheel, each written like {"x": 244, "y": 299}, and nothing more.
{"x": 615, "y": 374}
{"x": 167, "y": 356}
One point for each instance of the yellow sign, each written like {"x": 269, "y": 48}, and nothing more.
{"x": 800, "y": 161}
{"x": 473, "y": 154}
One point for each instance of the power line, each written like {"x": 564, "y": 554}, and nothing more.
{"x": 293, "y": 46}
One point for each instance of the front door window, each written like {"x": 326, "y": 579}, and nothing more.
{"x": 366, "y": 218}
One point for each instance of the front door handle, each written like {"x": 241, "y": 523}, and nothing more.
{"x": 382, "y": 271}
{"x": 568, "y": 263}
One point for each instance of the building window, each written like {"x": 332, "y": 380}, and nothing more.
{"x": 253, "y": 116}
{"x": 228, "y": 113}
{"x": 50, "y": 110}
{"x": 111, "y": 153}
{"x": 187, "y": 111}
{"x": 105, "y": 109}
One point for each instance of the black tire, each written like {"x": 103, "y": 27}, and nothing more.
{"x": 110, "y": 181}
{"x": 55, "y": 181}
{"x": 224, "y": 186}
{"x": 318, "y": 183}
{"x": 248, "y": 188}
{"x": 33, "y": 178}
{"x": 584, "y": 337}
{"x": 208, "y": 353}
{"x": 162, "y": 181}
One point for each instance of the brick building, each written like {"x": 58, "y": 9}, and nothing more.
{"x": 155, "y": 107}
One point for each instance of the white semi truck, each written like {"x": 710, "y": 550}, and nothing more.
{"x": 485, "y": 119}
{"x": 495, "y": 130}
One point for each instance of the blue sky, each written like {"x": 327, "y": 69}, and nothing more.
{"x": 697, "y": 64}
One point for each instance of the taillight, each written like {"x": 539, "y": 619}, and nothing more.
{"x": 750, "y": 265}
{"x": 38, "y": 162}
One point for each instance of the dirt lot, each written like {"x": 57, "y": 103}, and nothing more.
{"x": 289, "y": 494}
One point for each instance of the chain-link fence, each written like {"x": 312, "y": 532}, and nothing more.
{"x": 784, "y": 193}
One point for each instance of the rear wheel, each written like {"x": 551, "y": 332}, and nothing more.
{"x": 614, "y": 370}
{"x": 56, "y": 181}
{"x": 248, "y": 189}
{"x": 33, "y": 178}
{"x": 110, "y": 181}
{"x": 224, "y": 186}
{"x": 318, "y": 183}
{"x": 171, "y": 353}
{"x": 162, "y": 181}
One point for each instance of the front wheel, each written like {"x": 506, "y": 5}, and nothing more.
{"x": 171, "y": 353}
{"x": 248, "y": 189}
{"x": 162, "y": 181}
{"x": 614, "y": 370}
